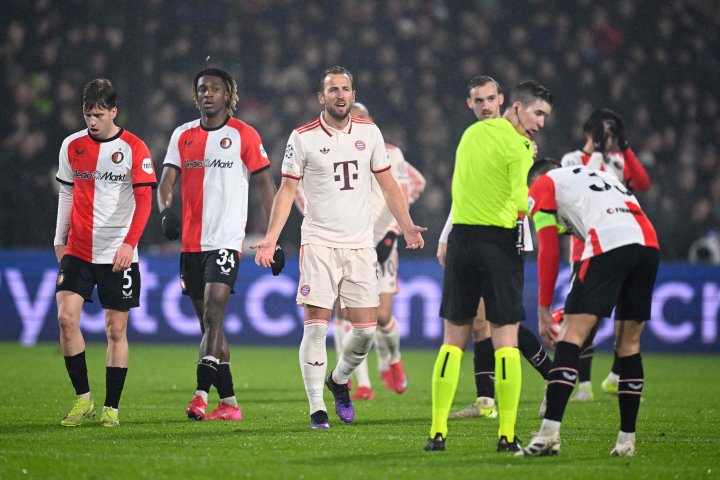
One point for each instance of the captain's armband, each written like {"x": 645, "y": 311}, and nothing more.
{"x": 545, "y": 219}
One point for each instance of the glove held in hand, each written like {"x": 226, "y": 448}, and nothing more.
{"x": 384, "y": 246}
{"x": 278, "y": 261}
{"x": 170, "y": 224}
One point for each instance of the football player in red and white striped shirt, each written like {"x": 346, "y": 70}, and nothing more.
{"x": 618, "y": 269}
{"x": 215, "y": 155}
{"x": 336, "y": 156}
{"x": 106, "y": 178}
{"x": 602, "y": 130}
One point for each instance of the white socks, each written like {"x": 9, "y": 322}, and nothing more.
{"x": 549, "y": 427}
{"x": 313, "y": 362}
{"x": 390, "y": 335}
{"x": 355, "y": 349}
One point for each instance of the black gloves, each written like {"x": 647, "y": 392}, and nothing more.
{"x": 598, "y": 136}
{"x": 278, "y": 261}
{"x": 170, "y": 224}
{"x": 619, "y": 131}
{"x": 385, "y": 245}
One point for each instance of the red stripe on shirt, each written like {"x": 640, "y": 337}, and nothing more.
{"x": 583, "y": 269}
{"x": 193, "y": 180}
{"x": 595, "y": 242}
{"x": 308, "y": 127}
{"x": 648, "y": 231}
{"x": 83, "y": 156}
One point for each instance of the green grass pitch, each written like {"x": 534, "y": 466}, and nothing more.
{"x": 678, "y": 426}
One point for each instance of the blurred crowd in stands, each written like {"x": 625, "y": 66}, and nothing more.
{"x": 655, "y": 62}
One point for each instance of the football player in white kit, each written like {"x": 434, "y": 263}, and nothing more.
{"x": 336, "y": 156}
{"x": 618, "y": 269}
{"x": 385, "y": 233}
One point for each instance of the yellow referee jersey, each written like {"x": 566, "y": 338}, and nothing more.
{"x": 489, "y": 185}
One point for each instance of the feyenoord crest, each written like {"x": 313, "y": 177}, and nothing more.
{"x": 117, "y": 157}
{"x": 225, "y": 143}
{"x": 60, "y": 278}
{"x": 360, "y": 145}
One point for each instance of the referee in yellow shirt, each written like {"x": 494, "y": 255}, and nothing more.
{"x": 484, "y": 259}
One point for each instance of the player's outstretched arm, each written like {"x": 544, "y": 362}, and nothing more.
{"x": 278, "y": 217}
{"x": 396, "y": 203}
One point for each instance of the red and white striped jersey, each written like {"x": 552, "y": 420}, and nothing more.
{"x": 103, "y": 174}
{"x": 593, "y": 206}
{"x": 215, "y": 165}
{"x": 336, "y": 168}
{"x": 622, "y": 165}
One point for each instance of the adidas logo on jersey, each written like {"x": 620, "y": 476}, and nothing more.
{"x": 324, "y": 150}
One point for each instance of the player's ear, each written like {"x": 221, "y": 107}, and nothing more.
{"x": 501, "y": 99}
{"x": 321, "y": 98}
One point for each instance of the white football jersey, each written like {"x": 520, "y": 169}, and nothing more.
{"x": 593, "y": 206}
{"x": 336, "y": 168}
{"x": 384, "y": 219}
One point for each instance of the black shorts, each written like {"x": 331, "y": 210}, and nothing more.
{"x": 116, "y": 290}
{"x": 622, "y": 277}
{"x": 483, "y": 262}
{"x": 200, "y": 268}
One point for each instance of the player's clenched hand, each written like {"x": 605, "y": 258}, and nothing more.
{"x": 441, "y": 252}
{"x": 123, "y": 258}
{"x": 546, "y": 326}
{"x": 413, "y": 237}
{"x": 265, "y": 252}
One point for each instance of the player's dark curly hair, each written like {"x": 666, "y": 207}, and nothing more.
{"x": 600, "y": 115}
{"x": 230, "y": 84}
{"x": 336, "y": 70}
{"x": 99, "y": 93}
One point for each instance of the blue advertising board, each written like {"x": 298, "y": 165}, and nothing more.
{"x": 686, "y": 305}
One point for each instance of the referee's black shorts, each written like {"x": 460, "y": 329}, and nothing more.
{"x": 483, "y": 261}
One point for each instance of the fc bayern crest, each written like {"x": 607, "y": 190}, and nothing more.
{"x": 117, "y": 157}
{"x": 360, "y": 145}
{"x": 225, "y": 143}
{"x": 305, "y": 290}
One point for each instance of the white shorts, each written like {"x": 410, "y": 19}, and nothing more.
{"x": 328, "y": 273}
{"x": 387, "y": 272}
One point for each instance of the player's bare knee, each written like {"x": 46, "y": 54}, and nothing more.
{"x": 116, "y": 331}
{"x": 69, "y": 324}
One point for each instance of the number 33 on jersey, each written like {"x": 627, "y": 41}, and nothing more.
{"x": 593, "y": 206}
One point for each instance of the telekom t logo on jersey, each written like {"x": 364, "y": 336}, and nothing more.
{"x": 346, "y": 176}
